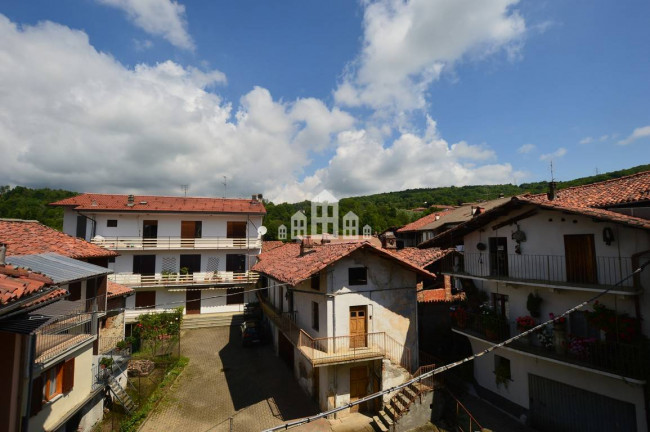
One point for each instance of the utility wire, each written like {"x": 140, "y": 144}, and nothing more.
{"x": 444, "y": 368}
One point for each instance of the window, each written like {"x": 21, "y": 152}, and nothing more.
{"x": 314, "y": 316}
{"x": 235, "y": 296}
{"x": 357, "y": 276}
{"x": 53, "y": 382}
{"x": 75, "y": 291}
{"x": 502, "y": 369}
{"x": 236, "y": 263}
{"x": 145, "y": 299}
{"x": 81, "y": 226}
{"x": 111, "y": 223}
{"x": 315, "y": 281}
{"x": 236, "y": 230}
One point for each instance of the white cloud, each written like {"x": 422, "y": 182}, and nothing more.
{"x": 142, "y": 44}
{"x": 586, "y": 140}
{"x": 526, "y": 148}
{"x": 363, "y": 164}
{"x": 555, "y": 155}
{"x": 76, "y": 118}
{"x": 407, "y": 45}
{"x": 165, "y": 18}
{"x": 603, "y": 138}
{"x": 638, "y": 133}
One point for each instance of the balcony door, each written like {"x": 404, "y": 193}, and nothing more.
{"x": 193, "y": 302}
{"x": 358, "y": 326}
{"x": 149, "y": 233}
{"x": 580, "y": 256}
{"x": 190, "y": 230}
{"x": 498, "y": 256}
{"x": 236, "y": 230}
{"x": 192, "y": 264}
{"x": 144, "y": 265}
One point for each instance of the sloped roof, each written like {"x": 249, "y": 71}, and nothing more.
{"x": 160, "y": 204}
{"x": 116, "y": 290}
{"x": 18, "y": 283}
{"x": 452, "y": 216}
{"x": 28, "y": 237}
{"x": 610, "y": 193}
{"x": 423, "y": 221}
{"x": 270, "y": 245}
{"x": 59, "y": 268}
{"x": 286, "y": 265}
{"x": 587, "y": 200}
{"x": 420, "y": 257}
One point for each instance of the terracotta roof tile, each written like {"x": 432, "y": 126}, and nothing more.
{"x": 286, "y": 265}
{"x": 270, "y": 245}
{"x": 416, "y": 225}
{"x": 116, "y": 290}
{"x": 24, "y": 237}
{"x": 17, "y": 283}
{"x": 432, "y": 295}
{"x": 609, "y": 193}
{"x": 52, "y": 295}
{"x": 151, "y": 203}
{"x": 420, "y": 257}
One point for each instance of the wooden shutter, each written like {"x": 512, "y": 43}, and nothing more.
{"x": 68, "y": 375}
{"x": 37, "y": 396}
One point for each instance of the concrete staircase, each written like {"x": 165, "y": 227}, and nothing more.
{"x": 225, "y": 319}
{"x": 398, "y": 406}
{"x": 121, "y": 395}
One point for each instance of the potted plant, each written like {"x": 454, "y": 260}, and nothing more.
{"x": 121, "y": 345}
{"x": 502, "y": 375}
{"x": 525, "y": 323}
{"x": 614, "y": 326}
{"x": 533, "y": 304}
{"x": 493, "y": 324}
{"x": 106, "y": 362}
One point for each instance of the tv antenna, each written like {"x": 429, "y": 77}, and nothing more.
{"x": 552, "y": 172}
{"x": 184, "y": 188}
{"x": 225, "y": 186}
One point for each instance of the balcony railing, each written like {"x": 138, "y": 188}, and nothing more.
{"x": 626, "y": 359}
{"x": 57, "y": 338}
{"x": 168, "y": 243}
{"x": 553, "y": 270}
{"x": 199, "y": 278}
{"x": 356, "y": 347}
{"x": 339, "y": 349}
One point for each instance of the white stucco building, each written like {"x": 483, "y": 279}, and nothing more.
{"x": 591, "y": 372}
{"x": 174, "y": 251}
{"x": 343, "y": 316}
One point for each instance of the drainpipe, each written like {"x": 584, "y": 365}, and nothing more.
{"x": 31, "y": 355}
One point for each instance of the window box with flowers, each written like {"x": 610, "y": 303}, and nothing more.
{"x": 525, "y": 323}
{"x": 615, "y": 327}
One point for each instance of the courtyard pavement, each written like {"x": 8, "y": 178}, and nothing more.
{"x": 223, "y": 380}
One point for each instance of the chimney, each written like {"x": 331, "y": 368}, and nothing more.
{"x": 437, "y": 217}
{"x": 3, "y": 253}
{"x": 260, "y": 197}
{"x": 388, "y": 240}
{"x": 552, "y": 191}
{"x": 130, "y": 201}
{"x": 306, "y": 245}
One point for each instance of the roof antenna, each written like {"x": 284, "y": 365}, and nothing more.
{"x": 185, "y": 188}
{"x": 225, "y": 186}
{"x": 552, "y": 186}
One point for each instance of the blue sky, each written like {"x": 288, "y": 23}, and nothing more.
{"x": 291, "y": 97}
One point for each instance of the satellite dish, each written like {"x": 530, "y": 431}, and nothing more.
{"x": 262, "y": 230}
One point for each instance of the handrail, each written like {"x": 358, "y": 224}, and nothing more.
{"x": 175, "y": 242}
{"x": 197, "y": 278}
{"x": 460, "y": 408}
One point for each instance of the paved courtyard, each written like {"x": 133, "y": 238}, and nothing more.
{"x": 224, "y": 380}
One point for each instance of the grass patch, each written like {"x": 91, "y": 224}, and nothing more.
{"x": 133, "y": 422}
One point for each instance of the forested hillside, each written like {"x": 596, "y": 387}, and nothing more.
{"x": 25, "y": 203}
{"x": 380, "y": 211}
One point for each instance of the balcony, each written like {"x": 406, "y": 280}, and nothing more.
{"x": 59, "y": 337}
{"x": 196, "y": 279}
{"x": 339, "y": 349}
{"x": 552, "y": 271}
{"x": 175, "y": 243}
{"x": 622, "y": 359}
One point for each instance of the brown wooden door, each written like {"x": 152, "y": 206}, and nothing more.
{"x": 358, "y": 386}
{"x": 190, "y": 230}
{"x": 580, "y": 255}
{"x": 358, "y": 326}
{"x": 193, "y": 302}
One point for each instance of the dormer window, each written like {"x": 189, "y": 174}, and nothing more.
{"x": 357, "y": 276}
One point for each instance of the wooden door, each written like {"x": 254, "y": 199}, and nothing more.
{"x": 580, "y": 256}
{"x": 190, "y": 230}
{"x": 236, "y": 230}
{"x": 358, "y": 326}
{"x": 358, "y": 386}
{"x": 193, "y": 302}
{"x": 145, "y": 299}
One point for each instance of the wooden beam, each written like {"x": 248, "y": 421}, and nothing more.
{"x": 516, "y": 219}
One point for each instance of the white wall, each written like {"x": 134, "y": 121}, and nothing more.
{"x": 521, "y": 365}
{"x": 54, "y": 411}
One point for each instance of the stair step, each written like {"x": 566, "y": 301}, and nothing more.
{"x": 388, "y": 421}
{"x": 379, "y": 424}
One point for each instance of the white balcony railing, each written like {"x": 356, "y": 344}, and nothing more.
{"x": 168, "y": 243}
{"x": 202, "y": 278}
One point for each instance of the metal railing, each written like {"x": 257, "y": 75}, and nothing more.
{"x": 605, "y": 271}
{"x": 465, "y": 421}
{"x": 108, "y": 344}
{"x": 167, "y": 243}
{"x": 198, "y": 278}
{"x": 627, "y": 359}
{"x": 56, "y": 338}
{"x": 354, "y": 347}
